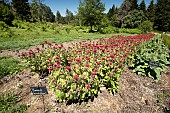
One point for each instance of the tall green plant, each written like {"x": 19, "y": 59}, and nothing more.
{"x": 151, "y": 58}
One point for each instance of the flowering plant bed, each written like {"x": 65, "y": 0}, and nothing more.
{"x": 76, "y": 73}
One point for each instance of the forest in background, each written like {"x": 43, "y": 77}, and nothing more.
{"x": 91, "y": 13}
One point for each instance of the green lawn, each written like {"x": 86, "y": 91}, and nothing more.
{"x": 9, "y": 65}
{"x": 21, "y": 38}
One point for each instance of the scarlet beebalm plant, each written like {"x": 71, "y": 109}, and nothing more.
{"x": 78, "y": 72}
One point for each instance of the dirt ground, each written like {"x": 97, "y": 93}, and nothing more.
{"x": 137, "y": 94}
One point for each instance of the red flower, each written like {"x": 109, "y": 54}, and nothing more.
{"x": 49, "y": 59}
{"x": 69, "y": 61}
{"x": 68, "y": 68}
{"x": 95, "y": 51}
{"x": 77, "y": 60}
{"x": 57, "y": 63}
{"x": 53, "y": 81}
{"x": 88, "y": 51}
{"x": 54, "y": 47}
{"x": 75, "y": 77}
{"x": 87, "y": 58}
{"x": 112, "y": 55}
{"x": 116, "y": 68}
{"x": 58, "y": 66}
{"x": 78, "y": 89}
{"x": 49, "y": 43}
{"x": 93, "y": 73}
{"x": 57, "y": 57}
{"x": 103, "y": 58}
{"x": 50, "y": 69}
{"x": 111, "y": 75}
{"x": 88, "y": 86}
{"x": 111, "y": 63}
{"x": 87, "y": 65}
{"x": 38, "y": 49}
{"x": 49, "y": 65}
{"x": 22, "y": 54}
{"x": 95, "y": 70}
{"x": 98, "y": 63}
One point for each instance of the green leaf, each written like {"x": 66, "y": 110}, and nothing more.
{"x": 73, "y": 87}
{"x": 158, "y": 73}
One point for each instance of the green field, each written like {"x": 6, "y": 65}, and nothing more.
{"x": 23, "y": 39}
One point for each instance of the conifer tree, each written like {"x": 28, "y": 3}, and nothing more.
{"x": 151, "y": 11}
{"x": 162, "y": 21}
{"x": 142, "y": 6}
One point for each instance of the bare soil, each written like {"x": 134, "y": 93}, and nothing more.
{"x": 137, "y": 94}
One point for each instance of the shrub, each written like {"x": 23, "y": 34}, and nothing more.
{"x": 68, "y": 29}
{"x": 5, "y": 31}
{"x": 146, "y": 26}
{"x": 3, "y": 26}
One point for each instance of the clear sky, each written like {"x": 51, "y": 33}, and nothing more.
{"x": 72, "y": 5}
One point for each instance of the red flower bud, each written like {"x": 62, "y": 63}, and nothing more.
{"x": 58, "y": 66}
{"x": 77, "y": 60}
{"x": 75, "y": 77}
{"x": 68, "y": 68}
{"x": 88, "y": 86}
{"x": 57, "y": 57}
{"x": 37, "y": 48}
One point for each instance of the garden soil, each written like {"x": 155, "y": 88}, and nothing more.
{"x": 137, "y": 94}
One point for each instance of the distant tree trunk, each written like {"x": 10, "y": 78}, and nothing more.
{"x": 91, "y": 28}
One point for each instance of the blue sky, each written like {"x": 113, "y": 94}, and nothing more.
{"x": 72, "y": 5}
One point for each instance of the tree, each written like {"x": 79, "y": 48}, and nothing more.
{"x": 142, "y": 6}
{"x": 162, "y": 21}
{"x": 134, "y": 4}
{"x": 111, "y": 12}
{"x": 4, "y": 2}
{"x": 151, "y": 11}
{"x": 133, "y": 19}
{"x": 58, "y": 17}
{"x": 124, "y": 9}
{"x": 69, "y": 16}
{"x": 6, "y": 13}
{"x": 91, "y": 12}
{"x": 40, "y": 12}
{"x": 21, "y": 9}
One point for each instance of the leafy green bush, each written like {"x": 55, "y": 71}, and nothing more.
{"x": 68, "y": 29}
{"x": 5, "y": 31}
{"x": 146, "y": 26}
{"x": 43, "y": 28}
{"x": 166, "y": 40}
{"x": 3, "y": 26}
{"x": 110, "y": 30}
{"x": 151, "y": 58}
{"x": 8, "y": 104}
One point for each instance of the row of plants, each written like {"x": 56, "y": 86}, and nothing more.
{"x": 151, "y": 58}
{"x": 77, "y": 73}
{"x": 166, "y": 40}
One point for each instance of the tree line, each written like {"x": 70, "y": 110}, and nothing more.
{"x": 91, "y": 13}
